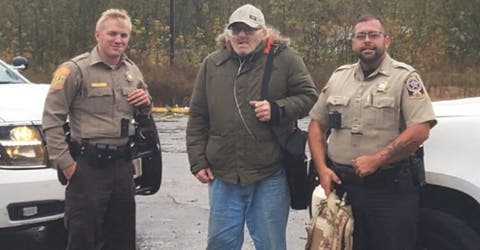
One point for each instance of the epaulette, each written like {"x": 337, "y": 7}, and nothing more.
{"x": 344, "y": 67}
{"x": 402, "y": 65}
{"x": 128, "y": 60}
{"x": 80, "y": 57}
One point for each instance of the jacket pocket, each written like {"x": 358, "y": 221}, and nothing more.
{"x": 217, "y": 150}
{"x": 260, "y": 152}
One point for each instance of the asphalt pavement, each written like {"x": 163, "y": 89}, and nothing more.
{"x": 177, "y": 216}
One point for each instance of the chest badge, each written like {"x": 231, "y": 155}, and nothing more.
{"x": 128, "y": 76}
{"x": 382, "y": 87}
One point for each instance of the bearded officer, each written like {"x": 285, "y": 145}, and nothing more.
{"x": 379, "y": 114}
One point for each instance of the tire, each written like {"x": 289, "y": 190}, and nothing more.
{"x": 441, "y": 231}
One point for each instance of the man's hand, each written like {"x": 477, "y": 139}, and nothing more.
{"x": 327, "y": 177}
{"x": 204, "y": 175}
{"x": 403, "y": 146}
{"x": 69, "y": 171}
{"x": 139, "y": 97}
{"x": 263, "y": 110}
{"x": 366, "y": 165}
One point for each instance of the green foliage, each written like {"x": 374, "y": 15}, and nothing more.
{"x": 439, "y": 38}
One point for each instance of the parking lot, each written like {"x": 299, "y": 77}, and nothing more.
{"x": 174, "y": 218}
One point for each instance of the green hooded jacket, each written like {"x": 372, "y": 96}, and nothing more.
{"x": 223, "y": 132}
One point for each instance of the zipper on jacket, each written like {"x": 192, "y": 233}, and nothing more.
{"x": 236, "y": 100}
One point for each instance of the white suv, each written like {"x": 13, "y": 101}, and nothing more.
{"x": 30, "y": 193}
{"x": 450, "y": 201}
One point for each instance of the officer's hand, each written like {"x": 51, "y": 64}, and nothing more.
{"x": 262, "y": 110}
{"x": 365, "y": 165}
{"x": 69, "y": 171}
{"x": 327, "y": 177}
{"x": 205, "y": 175}
{"x": 139, "y": 97}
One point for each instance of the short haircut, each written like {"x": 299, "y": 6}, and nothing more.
{"x": 366, "y": 18}
{"x": 117, "y": 14}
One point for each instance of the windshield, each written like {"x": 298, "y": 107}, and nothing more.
{"x": 8, "y": 75}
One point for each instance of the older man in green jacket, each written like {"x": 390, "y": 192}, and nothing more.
{"x": 233, "y": 135}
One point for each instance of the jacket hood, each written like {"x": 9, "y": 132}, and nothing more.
{"x": 22, "y": 102}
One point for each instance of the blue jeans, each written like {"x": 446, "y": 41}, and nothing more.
{"x": 263, "y": 206}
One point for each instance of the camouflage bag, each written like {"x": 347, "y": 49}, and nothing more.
{"x": 331, "y": 227}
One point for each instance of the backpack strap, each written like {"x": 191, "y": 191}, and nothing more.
{"x": 267, "y": 72}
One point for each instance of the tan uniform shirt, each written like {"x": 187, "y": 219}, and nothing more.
{"x": 94, "y": 97}
{"x": 374, "y": 110}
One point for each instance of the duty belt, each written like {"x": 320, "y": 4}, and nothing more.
{"x": 384, "y": 176}
{"x": 102, "y": 152}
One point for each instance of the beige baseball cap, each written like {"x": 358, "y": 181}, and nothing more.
{"x": 249, "y": 15}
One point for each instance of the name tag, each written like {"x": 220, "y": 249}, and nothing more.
{"x": 98, "y": 84}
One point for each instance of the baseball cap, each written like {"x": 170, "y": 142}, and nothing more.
{"x": 249, "y": 15}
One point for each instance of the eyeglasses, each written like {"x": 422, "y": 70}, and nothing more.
{"x": 246, "y": 29}
{"x": 372, "y": 35}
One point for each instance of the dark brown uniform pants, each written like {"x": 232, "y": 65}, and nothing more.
{"x": 100, "y": 206}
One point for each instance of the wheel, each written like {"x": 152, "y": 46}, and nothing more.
{"x": 441, "y": 231}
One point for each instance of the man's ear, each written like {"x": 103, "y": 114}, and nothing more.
{"x": 388, "y": 40}
{"x": 97, "y": 35}
{"x": 264, "y": 32}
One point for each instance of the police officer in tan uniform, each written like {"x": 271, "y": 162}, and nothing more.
{"x": 378, "y": 114}
{"x": 99, "y": 92}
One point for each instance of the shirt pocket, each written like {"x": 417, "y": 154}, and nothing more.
{"x": 339, "y": 104}
{"x": 122, "y": 103}
{"x": 100, "y": 100}
{"x": 380, "y": 112}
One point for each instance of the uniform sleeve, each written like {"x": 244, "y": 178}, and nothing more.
{"x": 302, "y": 92}
{"x": 319, "y": 112}
{"x": 416, "y": 104}
{"x": 198, "y": 123}
{"x": 63, "y": 89}
{"x": 146, "y": 109}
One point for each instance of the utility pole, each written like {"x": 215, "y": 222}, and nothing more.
{"x": 172, "y": 31}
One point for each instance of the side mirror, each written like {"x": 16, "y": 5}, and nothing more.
{"x": 20, "y": 63}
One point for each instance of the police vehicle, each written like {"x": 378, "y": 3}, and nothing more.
{"x": 450, "y": 215}
{"x": 30, "y": 192}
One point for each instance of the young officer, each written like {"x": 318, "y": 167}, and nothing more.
{"x": 99, "y": 92}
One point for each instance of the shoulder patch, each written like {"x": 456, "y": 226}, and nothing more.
{"x": 414, "y": 87}
{"x": 59, "y": 78}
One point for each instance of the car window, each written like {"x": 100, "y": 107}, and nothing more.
{"x": 8, "y": 75}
